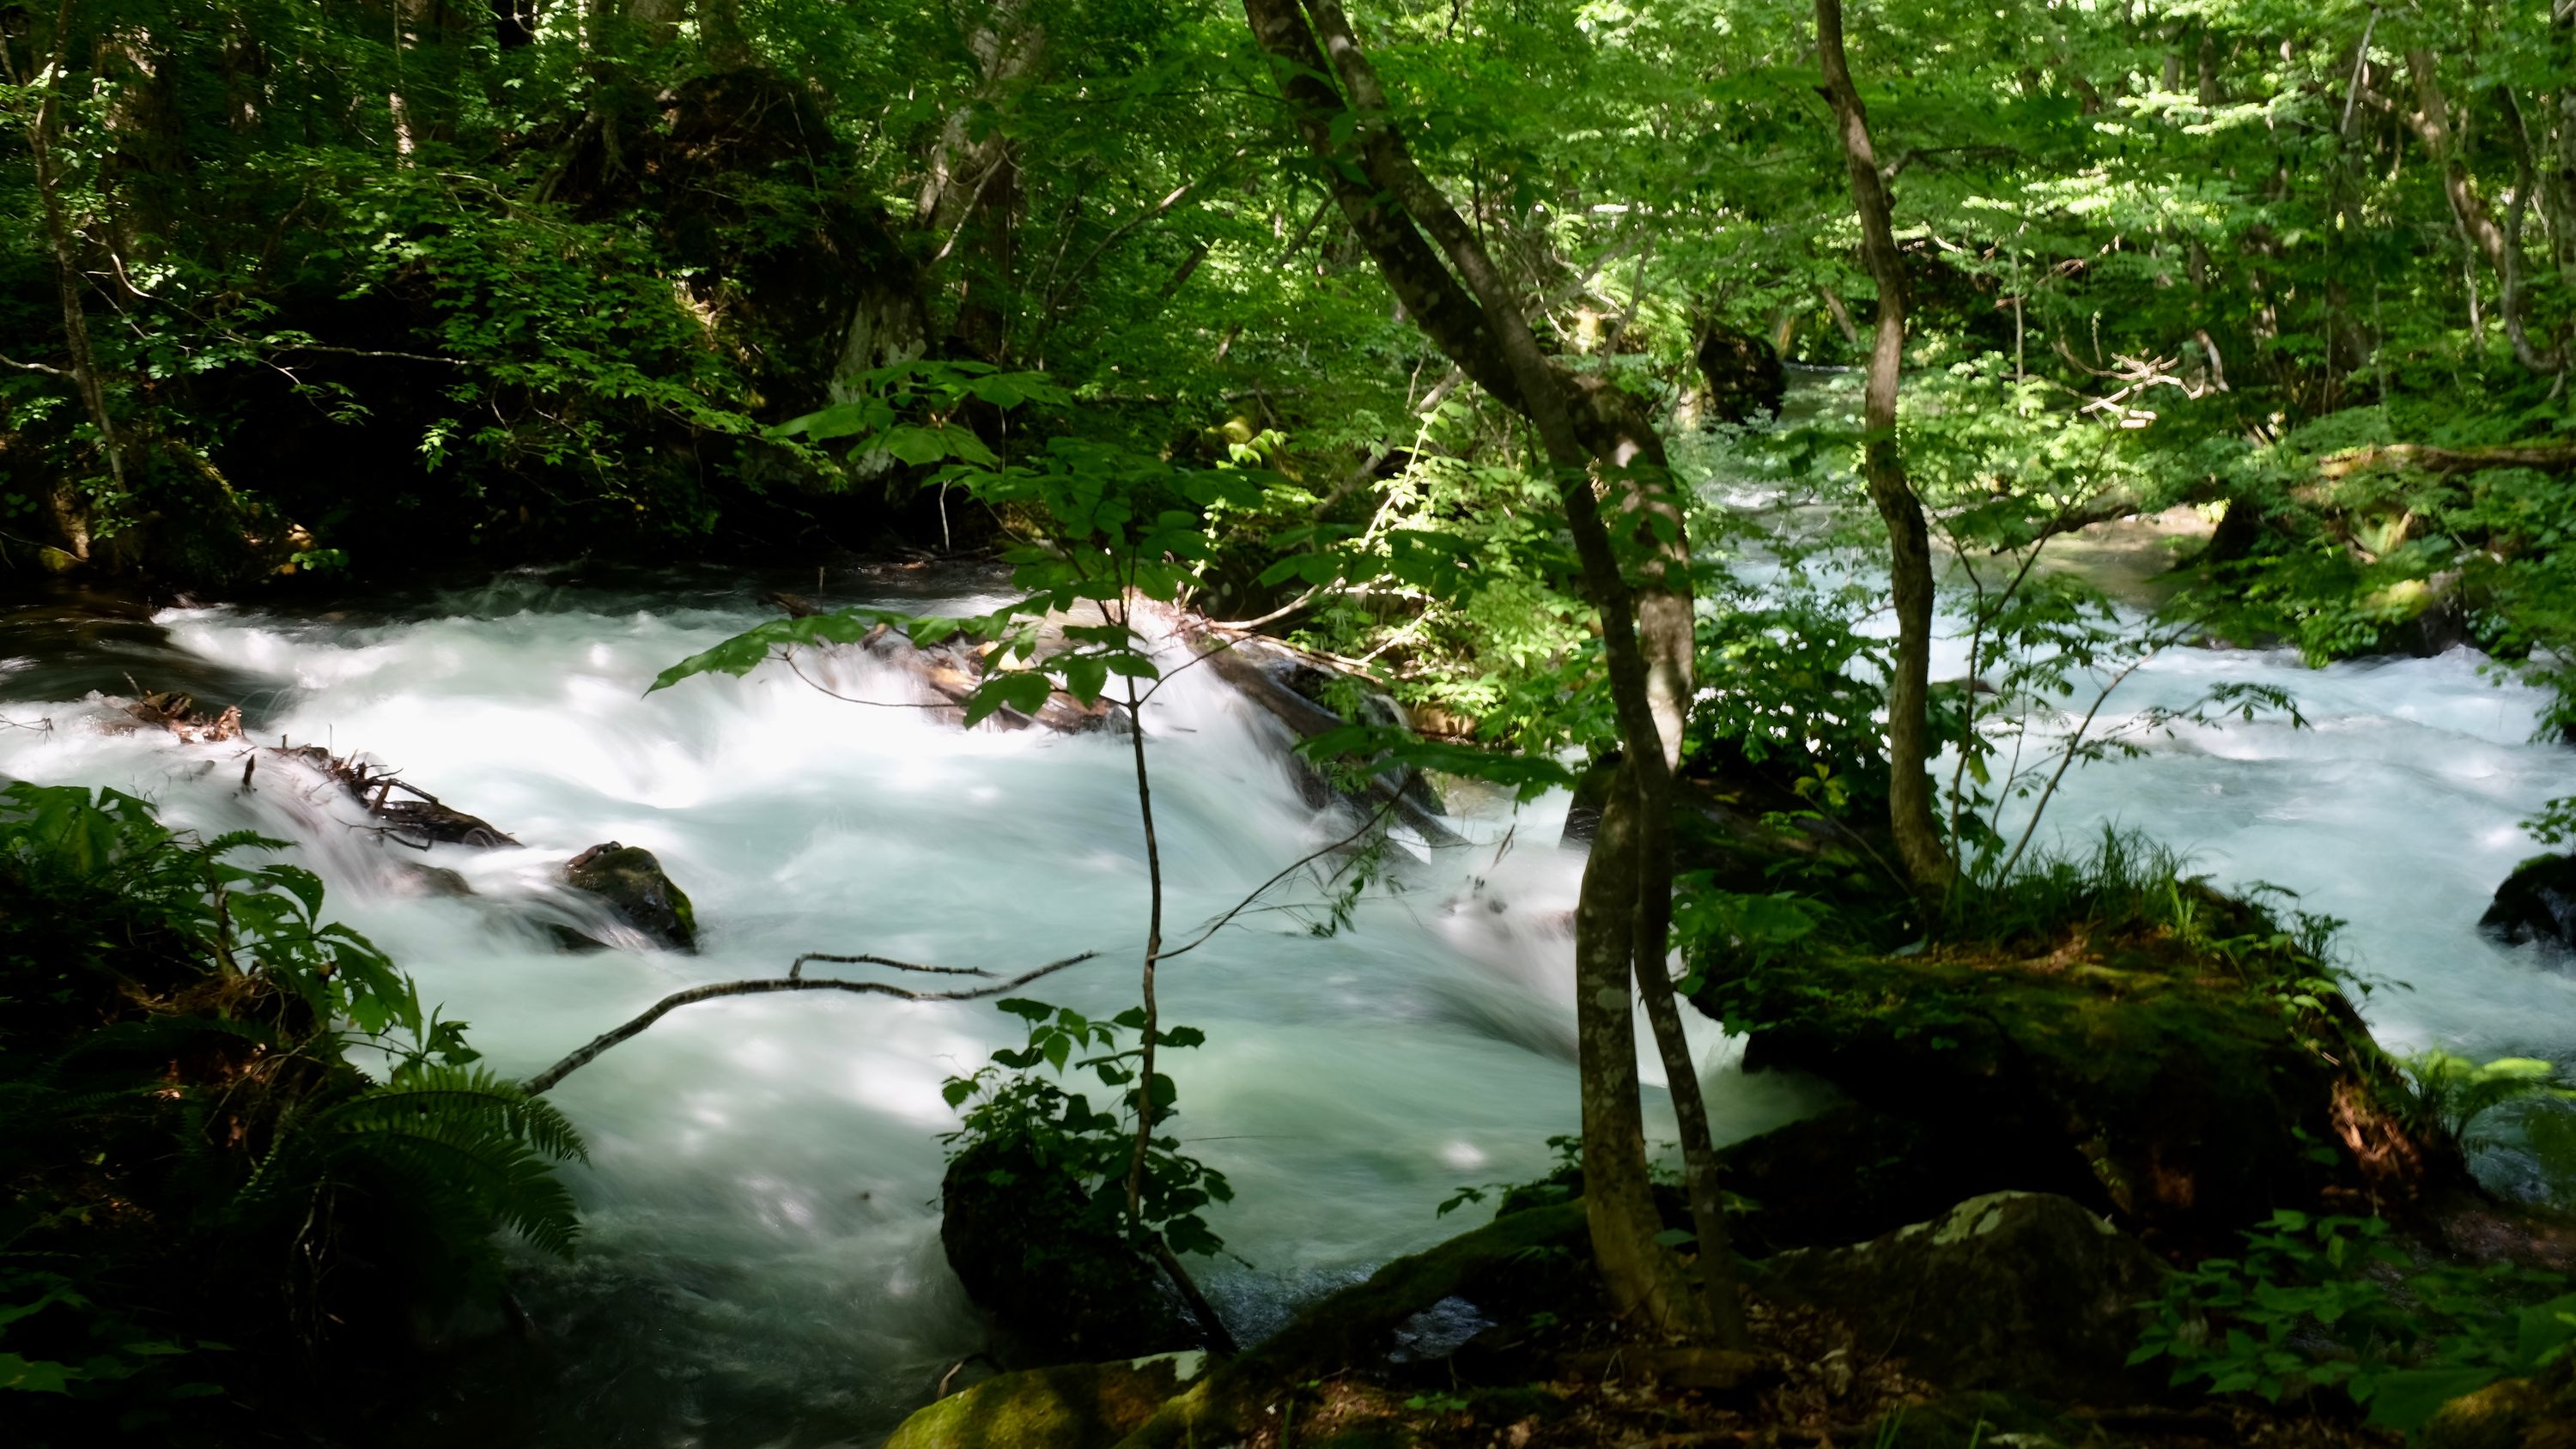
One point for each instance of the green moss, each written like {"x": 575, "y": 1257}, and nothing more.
{"x": 2526, "y": 1413}
{"x": 1075, "y": 1406}
{"x": 2181, "y": 1085}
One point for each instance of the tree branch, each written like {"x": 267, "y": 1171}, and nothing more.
{"x": 545, "y": 1081}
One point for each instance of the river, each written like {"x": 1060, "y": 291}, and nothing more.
{"x": 761, "y": 1264}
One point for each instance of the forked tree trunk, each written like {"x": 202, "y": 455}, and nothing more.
{"x": 2500, "y": 246}
{"x": 1909, "y": 548}
{"x": 1440, "y": 271}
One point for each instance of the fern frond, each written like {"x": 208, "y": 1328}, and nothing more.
{"x": 477, "y": 1093}
{"x": 478, "y": 1134}
{"x": 504, "y": 1182}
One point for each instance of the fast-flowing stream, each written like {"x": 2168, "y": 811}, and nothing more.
{"x": 761, "y": 1264}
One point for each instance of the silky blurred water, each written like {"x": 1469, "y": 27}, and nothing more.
{"x": 761, "y": 1263}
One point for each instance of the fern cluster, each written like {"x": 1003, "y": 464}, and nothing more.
{"x": 204, "y": 1194}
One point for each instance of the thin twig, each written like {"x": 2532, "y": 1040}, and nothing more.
{"x": 2073, "y": 741}
{"x": 788, "y": 658}
{"x": 1296, "y": 865}
{"x": 796, "y": 969}
{"x": 546, "y": 1080}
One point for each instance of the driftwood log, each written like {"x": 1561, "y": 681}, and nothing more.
{"x": 1268, "y": 674}
{"x": 2543, "y": 457}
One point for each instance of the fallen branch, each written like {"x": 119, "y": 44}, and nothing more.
{"x": 2545, "y": 457}
{"x": 796, "y": 968}
{"x": 545, "y": 1081}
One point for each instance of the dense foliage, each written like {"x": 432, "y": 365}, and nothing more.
{"x": 1131, "y": 297}
{"x": 235, "y": 1148}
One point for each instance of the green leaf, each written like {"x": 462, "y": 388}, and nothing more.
{"x": 1023, "y": 690}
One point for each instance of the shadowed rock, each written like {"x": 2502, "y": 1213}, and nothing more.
{"x": 2022, "y": 1291}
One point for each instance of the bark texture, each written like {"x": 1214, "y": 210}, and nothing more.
{"x": 1909, "y": 725}
{"x": 1593, "y": 436}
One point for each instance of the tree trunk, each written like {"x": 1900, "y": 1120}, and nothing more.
{"x": 70, "y": 517}
{"x": 2499, "y": 245}
{"x": 1909, "y": 723}
{"x": 1618, "y": 1200}
{"x": 1586, "y": 429}
{"x": 972, "y": 184}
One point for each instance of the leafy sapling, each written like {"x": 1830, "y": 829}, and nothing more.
{"x": 1019, "y": 1100}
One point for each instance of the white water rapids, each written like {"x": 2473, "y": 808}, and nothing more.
{"x": 761, "y": 1263}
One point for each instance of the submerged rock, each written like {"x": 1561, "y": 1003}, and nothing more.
{"x": 2022, "y": 1291}
{"x": 1072, "y": 1406}
{"x": 2536, "y": 903}
{"x": 633, "y": 884}
{"x": 1022, "y": 1239}
{"x": 1310, "y": 700}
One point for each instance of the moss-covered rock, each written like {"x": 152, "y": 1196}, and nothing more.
{"x": 1356, "y": 1326}
{"x": 2185, "y": 1089}
{"x": 634, "y": 885}
{"x": 1854, "y": 1172}
{"x": 2526, "y": 1413}
{"x": 2027, "y": 1292}
{"x": 1072, "y": 1406}
{"x": 1742, "y": 373}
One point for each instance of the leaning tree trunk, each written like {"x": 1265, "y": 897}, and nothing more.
{"x": 1909, "y": 548}
{"x": 1589, "y": 433}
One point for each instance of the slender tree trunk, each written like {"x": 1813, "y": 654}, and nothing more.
{"x": 1219, "y": 1337}
{"x": 69, "y": 516}
{"x": 1618, "y": 1200}
{"x": 2500, "y": 246}
{"x": 1589, "y": 433}
{"x": 1909, "y": 685}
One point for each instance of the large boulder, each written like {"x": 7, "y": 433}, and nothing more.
{"x": 631, "y": 881}
{"x": 2028, "y": 1292}
{"x": 1854, "y": 1172}
{"x": 1072, "y": 1406}
{"x": 2154, "y": 1084}
{"x": 1059, "y": 1285}
{"x": 2536, "y": 903}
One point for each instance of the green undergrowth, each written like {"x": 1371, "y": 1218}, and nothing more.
{"x": 241, "y": 1167}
